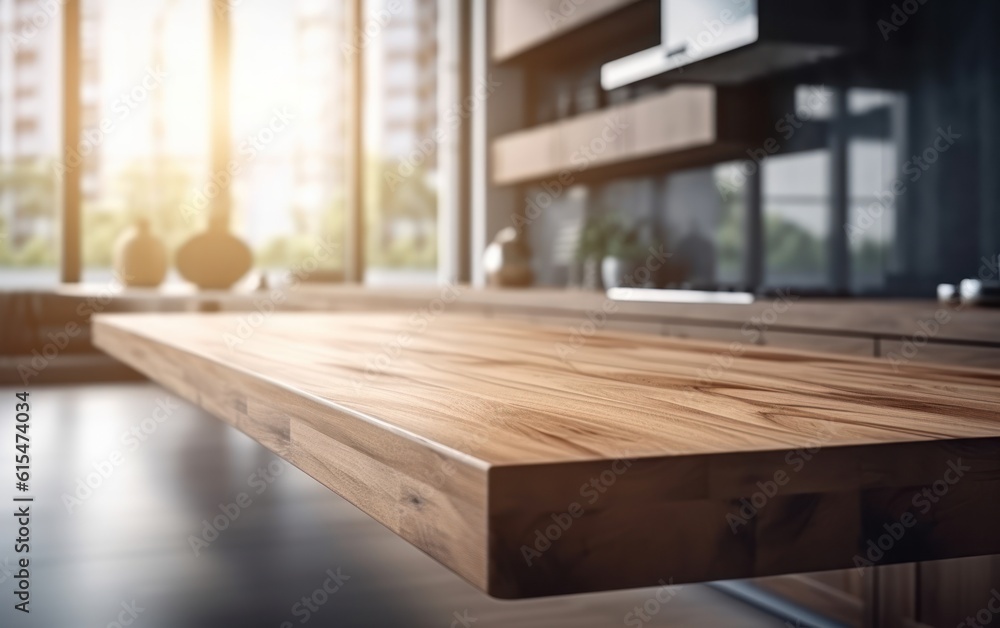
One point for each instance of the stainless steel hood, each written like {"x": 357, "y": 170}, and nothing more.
{"x": 731, "y": 41}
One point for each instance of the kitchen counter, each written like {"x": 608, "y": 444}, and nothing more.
{"x": 894, "y": 330}
{"x": 886, "y": 318}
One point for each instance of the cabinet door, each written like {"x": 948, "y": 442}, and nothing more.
{"x": 679, "y": 118}
{"x": 592, "y": 139}
{"x": 524, "y": 155}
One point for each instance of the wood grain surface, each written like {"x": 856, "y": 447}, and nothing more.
{"x": 533, "y": 461}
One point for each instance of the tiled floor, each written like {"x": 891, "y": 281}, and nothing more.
{"x": 129, "y": 541}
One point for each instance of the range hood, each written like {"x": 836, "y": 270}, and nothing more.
{"x": 732, "y": 41}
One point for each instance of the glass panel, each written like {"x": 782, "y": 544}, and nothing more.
{"x": 873, "y": 185}
{"x": 872, "y": 212}
{"x": 730, "y": 230}
{"x": 145, "y": 98}
{"x": 812, "y": 102}
{"x": 147, "y": 80}
{"x": 706, "y": 210}
{"x": 400, "y": 143}
{"x": 288, "y": 117}
{"x": 30, "y": 137}
{"x": 796, "y": 213}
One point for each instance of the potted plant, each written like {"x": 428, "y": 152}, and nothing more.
{"x": 626, "y": 250}
{"x": 591, "y": 249}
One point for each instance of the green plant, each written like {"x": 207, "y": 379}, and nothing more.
{"x": 605, "y": 236}
{"x": 634, "y": 243}
{"x": 626, "y": 244}
{"x": 594, "y": 238}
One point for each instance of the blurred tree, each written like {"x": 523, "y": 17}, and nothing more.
{"x": 161, "y": 194}
{"x": 292, "y": 250}
{"x": 5, "y": 256}
{"x": 730, "y": 238}
{"x": 29, "y": 231}
{"x": 401, "y": 224}
{"x": 790, "y": 248}
{"x": 868, "y": 258}
{"x": 36, "y": 251}
{"x": 101, "y": 227}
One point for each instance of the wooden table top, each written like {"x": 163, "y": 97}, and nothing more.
{"x": 472, "y": 437}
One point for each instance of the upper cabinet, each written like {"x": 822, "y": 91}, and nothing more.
{"x": 520, "y": 25}
{"x": 687, "y": 123}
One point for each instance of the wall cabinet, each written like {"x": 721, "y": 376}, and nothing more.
{"x": 520, "y": 25}
{"x": 524, "y": 154}
{"x": 673, "y": 120}
{"x": 686, "y": 122}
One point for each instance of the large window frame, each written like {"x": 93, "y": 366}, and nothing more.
{"x": 453, "y": 264}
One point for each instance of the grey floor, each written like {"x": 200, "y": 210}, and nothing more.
{"x": 128, "y": 542}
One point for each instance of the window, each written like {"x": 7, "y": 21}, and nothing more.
{"x": 872, "y": 211}
{"x": 796, "y": 213}
{"x": 25, "y": 91}
{"x": 400, "y": 140}
{"x": 29, "y": 145}
{"x": 145, "y": 115}
{"x": 872, "y": 214}
{"x": 706, "y": 213}
{"x": 26, "y": 57}
{"x": 289, "y": 109}
{"x": 144, "y": 122}
{"x": 25, "y": 125}
{"x": 151, "y": 82}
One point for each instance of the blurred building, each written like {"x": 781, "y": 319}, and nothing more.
{"x": 404, "y": 102}
{"x": 320, "y": 152}
{"x": 30, "y": 101}
{"x": 90, "y": 92}
{"x": 409, "y": 57}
